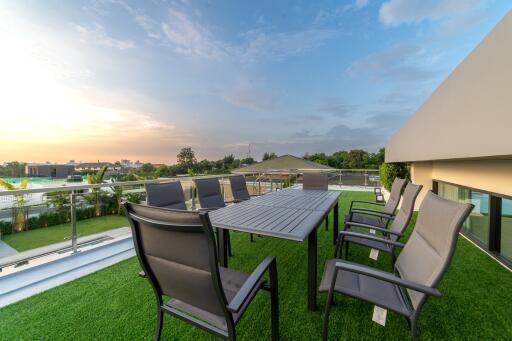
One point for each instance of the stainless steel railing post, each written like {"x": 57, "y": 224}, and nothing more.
{"x": 72, "y": 199}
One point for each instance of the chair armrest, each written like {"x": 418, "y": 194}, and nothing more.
{"x": 387, "y": 277}
{"x": 142, "y": 274}
{"x": 207, "y": 209}
{"x": 377, "y": 228}
{"x": 365, "y": 202}
{"x": 371, "y": 237}
{"x": 250, "y": 284}
{"x": 372, "y": 213}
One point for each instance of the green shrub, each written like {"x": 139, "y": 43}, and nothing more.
{"x": 389, "y": 171}
{"x": 5, "y": 227}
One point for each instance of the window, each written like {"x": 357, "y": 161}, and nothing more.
{"x": 477, "y": 225}
{"x": 506, "y": 229}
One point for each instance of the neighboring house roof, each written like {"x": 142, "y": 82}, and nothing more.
{"x": 283, "y": 163}
{"x": 94, "y": 164}
{"x": 469, "y": 115}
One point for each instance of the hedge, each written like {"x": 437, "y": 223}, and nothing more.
{"x": 389, "y": 171}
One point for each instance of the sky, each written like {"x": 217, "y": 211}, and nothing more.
{"x": 113, "y": 79}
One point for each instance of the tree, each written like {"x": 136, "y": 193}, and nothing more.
{"x": 186, "y": 158}
{"x": 163, "y": 171}
{"x": 147, "y": 169}
{"x": 376, "y": 159}
{"x": 97, "y": 179}
{"x": 13, "y": 169}
{"x": 357, "y": 159}
{"x": 269, "y": 156}
{"x": 247, "y": 161}
{"x": 20, "y": 214}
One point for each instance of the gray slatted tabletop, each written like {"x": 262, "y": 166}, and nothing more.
{"x": 292, "y": 214}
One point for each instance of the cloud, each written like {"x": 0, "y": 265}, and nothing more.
{"x": 400, "y": 62}
{"x": 339, "y": 137}
{"x": 97, "y": 35}
{"x": 361, "y": 3}
{"x": 336, "y": 107}
{"x": 249, "y": 97}
{"x": 277, "y": 46}
{"x": 396, "y": 12}
{"x": 185, "y": 36}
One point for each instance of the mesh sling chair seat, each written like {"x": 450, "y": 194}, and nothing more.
{"x": 210, "y": 198}
{"x": 318, "y": 182}
{"x": 374, "y": 217}
{"x": 240, "y": 191}
{"x": 167, "y": 195}
{"x": 418, "y": 269}
{"x": 239, "y": 188}
{"x": 381, "y": 241}
{"x": 177, "y": 252}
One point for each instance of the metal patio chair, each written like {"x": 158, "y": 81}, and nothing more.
{"x": 240, "y": 191}
{"x": 380, "y": 241}
{"x": 239, "y": 188}
{"x": 418, "y": 269}
{"x": 168, "y": 195}
{"x": 210, "y": 198}
{"x": 176, "y": 250}
{"x": 319, "y": 182}
{"x": 315, "y": 181}
{"x": 374, "y": 217}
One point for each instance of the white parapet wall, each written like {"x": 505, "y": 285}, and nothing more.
{"x": 57, "y": 268}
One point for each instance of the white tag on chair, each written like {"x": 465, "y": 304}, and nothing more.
{"x": 374, "y": 254}
{"x": 379, "y": 315}
{"x": 372, "y": 231}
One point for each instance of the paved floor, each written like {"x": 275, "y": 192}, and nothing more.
{"x": 6, "y": 250}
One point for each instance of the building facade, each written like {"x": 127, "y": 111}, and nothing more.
{"x": 458, "y": 142}
{"x": 49, "y": 170}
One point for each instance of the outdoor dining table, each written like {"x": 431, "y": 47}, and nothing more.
{"x": 291, "y": 214}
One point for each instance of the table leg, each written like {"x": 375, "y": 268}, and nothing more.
{"x": 222, "y": 246}
{"x": 335, "y": 224}
{"x": 312, "y": 260}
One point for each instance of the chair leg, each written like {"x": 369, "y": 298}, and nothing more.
{"x": 252, "y": 238}
{"x": 230, "y": 254}
{"x": 274, "y": 302}
{"x": 327, "y": 223}
{"x": 413, "y": 329}
{"x": 346, "y": 250}
{"x": 393, "y": 260}
{"x": 328, "y": 304}
{"x": 159, "y": 324}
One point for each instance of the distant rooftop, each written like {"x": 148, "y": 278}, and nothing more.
{"x": 283, "y": 163}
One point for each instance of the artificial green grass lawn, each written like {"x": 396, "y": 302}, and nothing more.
{"x": 116, "y": 304}
{"x": 54, "y": 234}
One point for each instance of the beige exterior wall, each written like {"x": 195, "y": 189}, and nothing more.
{"x": 470, "y": 114}
{"x": 493, "y": 176}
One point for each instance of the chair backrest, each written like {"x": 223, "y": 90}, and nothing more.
{"x": 176, "y": 250}
{"x": 168, "y": 195}
{"x": 394, "y": 196}
{"x": 315, "y": 181}
{"x": 430, "y": 248}
{"x": 209, "y": 193}
{"x": 404, "y": 216}
{"x": 239, "y": 187}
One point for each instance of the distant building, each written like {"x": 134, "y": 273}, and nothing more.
{"x": 94, "y": 166}
{"x": 129, "y": 164}
{"x": 49, "y": 170}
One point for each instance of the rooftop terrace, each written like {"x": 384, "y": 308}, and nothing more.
{"x": 115, "y": 303}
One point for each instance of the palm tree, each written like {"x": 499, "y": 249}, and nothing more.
{"x": 19, "y": 214}
{"x": 97, "y": 179}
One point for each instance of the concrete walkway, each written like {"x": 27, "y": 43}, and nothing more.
{"x": 6, "y": 250}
